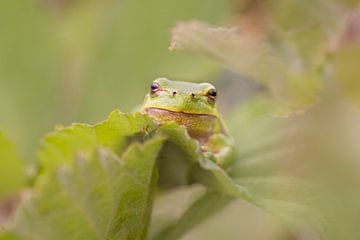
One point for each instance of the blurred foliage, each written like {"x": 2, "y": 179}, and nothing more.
{"x": 346, "y": 70}
{"x": 284, "y": 45}
{"x": 12, "y": 171}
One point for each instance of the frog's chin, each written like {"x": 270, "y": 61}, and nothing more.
{"x": 199, "y": 126}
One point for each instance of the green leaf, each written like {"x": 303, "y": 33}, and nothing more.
{"x": 100, "y": 196}
{"x": 271, "y": 194}
{"x": 210, "y": 173}
{"x": 12, "y": 170}
{"x": 113, "y": 131}
{"x": 60, "y": 146}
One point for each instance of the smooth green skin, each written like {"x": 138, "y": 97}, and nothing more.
{"x": 188, "y": 104}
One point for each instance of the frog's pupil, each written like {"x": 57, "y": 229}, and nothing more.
{"x": 154, "y": 86}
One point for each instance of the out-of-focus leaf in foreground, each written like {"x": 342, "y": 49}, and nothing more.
{"x": 12, "y": 170}
{"x": 61, "y": 146}
{"x": 100, "y": 183}
{"x": 88, "y": 191}
{"x": 100, "y": 198}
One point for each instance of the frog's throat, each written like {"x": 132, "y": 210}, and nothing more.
{"x": 199, "y": 126}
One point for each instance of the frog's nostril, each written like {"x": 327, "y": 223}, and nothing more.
{"x": 193, "y": 95}
{"x": 174, "y": 93}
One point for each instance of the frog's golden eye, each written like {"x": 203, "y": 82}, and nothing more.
{"x": 211, "y": 94}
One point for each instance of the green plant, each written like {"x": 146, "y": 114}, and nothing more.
{"x": 99, "y": 181}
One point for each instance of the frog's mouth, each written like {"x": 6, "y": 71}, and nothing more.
{"x": 152, "y": 111}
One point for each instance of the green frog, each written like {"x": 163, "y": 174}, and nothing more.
{"x": 192, "y": 105}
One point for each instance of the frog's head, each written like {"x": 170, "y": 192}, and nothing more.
{"x": 181, "y": 97}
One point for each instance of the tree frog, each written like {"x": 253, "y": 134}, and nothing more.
{"x": 192, "y": 105}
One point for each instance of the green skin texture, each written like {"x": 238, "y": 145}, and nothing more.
{"x": 189, "y": 104}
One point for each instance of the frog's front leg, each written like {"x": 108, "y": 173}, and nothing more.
{"x": 220, "y": 148}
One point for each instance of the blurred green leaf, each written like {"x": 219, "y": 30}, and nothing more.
{"x": 12, "y": 170}
{"x": 349, "y": 3}
{"x": 292, "y": 85}
{"x": 259, "y": 136}
{"x": 345, "y": 61}
{"x": 282, "y": 188}
{"x": 303, "y": 28}
{"x": 99, "y": 197}
{"x": 8, "y": 236}
{"x": 249, "y": 55}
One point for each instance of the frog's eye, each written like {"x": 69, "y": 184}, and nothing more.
{"x": 154, "y": 88}
{"x": 211, "y": 94}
